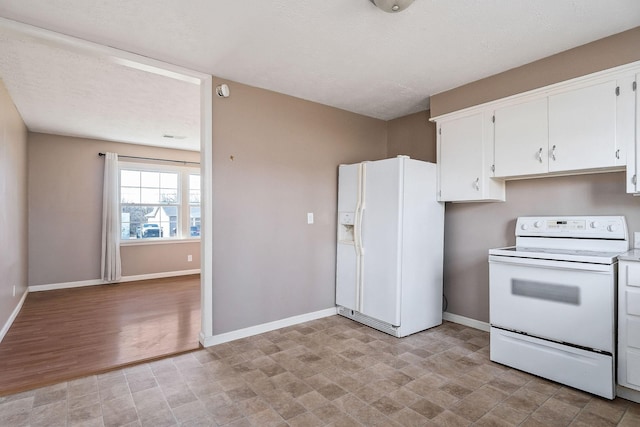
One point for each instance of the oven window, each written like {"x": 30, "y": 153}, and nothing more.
{"x": 546, "y": 291}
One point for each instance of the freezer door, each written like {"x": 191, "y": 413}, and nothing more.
{"x": 346, "y": 259}
{"x": 381, "y": 244}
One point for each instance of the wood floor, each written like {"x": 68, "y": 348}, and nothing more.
{"x": 70, "y": 333}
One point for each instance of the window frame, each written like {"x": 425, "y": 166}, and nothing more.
{"x": 183, "y": 204}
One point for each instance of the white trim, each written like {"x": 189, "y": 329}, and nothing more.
{"x": 265, "y": 327}
{"x": 159, "y": 275}
{"x": 66, "y": 285}
{"x": 96, "y": 282}
{"x": 628, "y": 393}
{"x": 206, "y": 209}
{"x": 466, "y": 321}
{"x": 13, "y": 316}
{"x": 162, "y": 241}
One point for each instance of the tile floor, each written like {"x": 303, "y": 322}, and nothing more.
{"x": 328, "y": 372}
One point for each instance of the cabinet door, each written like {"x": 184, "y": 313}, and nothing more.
{"x": 460, "y": 160}
{"x": 632, "y": 139}
{"x": 582, "y": 128}
{"x": 521, "y": 139}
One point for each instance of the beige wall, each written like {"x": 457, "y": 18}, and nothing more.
{"x": 268, "y": 264}
{"x": 471, "y": 229}
{"x": 599, "y": 55}
{"x": 65, "y": 209}
{"x": 413, "y": 135}
{"x": 13, "y": 210}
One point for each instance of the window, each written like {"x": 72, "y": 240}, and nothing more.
{"x": 159, "y": 202}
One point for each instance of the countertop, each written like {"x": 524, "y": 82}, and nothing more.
{"x": 632, "y": 255}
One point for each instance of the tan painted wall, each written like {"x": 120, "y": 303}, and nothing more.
{"x": 13, "y": 202}
{"x": 599, "y": 55}
{"x": 65, "y": 209}
{"x": 413, "y": 135}
{"x": 471, "y": 229}
{"x": 268, "y": 264}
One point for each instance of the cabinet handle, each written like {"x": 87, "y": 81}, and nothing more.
{"x": 476, "y": 184}
{"x": 634, "y": 179}
{"x": 553, "y": 153}
{"x": 618, "y": 154}
{"x": 540, "y": 155}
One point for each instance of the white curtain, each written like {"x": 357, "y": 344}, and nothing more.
{"x": 110, "y": 263}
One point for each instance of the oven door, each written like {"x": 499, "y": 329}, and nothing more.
{"x": 568, "y": 302}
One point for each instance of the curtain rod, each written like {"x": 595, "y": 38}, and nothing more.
{"x": 151, "y": 158}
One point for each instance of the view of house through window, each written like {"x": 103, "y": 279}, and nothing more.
{"x": 159, "y": 202}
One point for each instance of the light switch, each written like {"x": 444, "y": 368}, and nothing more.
{"x": 309, "y": 217}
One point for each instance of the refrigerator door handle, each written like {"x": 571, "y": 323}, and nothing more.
{"x": 360, "y": 228}
{"x": 362, "y": 203}
{"x": 357, "y": 238}
{"x": 358, "y": 215}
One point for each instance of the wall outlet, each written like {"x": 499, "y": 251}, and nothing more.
{"x": 189, "y": 258}
{"x": 310, "y": 218}
{"x": 14, "y": 290}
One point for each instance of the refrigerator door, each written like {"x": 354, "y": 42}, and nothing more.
{"x": 381, "y": 227}
{"x": 347, "y": 294}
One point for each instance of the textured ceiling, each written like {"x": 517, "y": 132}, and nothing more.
{"x": 343, "y": 53}
{"x": 67, "y": 91}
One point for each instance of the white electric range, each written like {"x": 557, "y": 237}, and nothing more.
{"x": 552, "y": 299}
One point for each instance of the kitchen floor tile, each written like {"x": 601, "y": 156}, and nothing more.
{"x": 327, "y": 372}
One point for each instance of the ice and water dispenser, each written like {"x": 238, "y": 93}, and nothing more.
{"x": 345, "y": 226}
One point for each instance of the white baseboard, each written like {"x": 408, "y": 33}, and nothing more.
{"x": 95, "y": 282}
{"x": 265, "y": 327}
{"x": 627, "y": 393}
{"x": 159, "y": 275}
{"x": 13, "y": 316}
{"x": 466, "y": 321}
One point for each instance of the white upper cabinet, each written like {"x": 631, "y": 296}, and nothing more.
{"x": 582, "y": 128}
{"x": 522, "y": 139}
{"x": 588, "y": 124}
{"x": 465, "y": 159}
{"x": 574, "y": 130}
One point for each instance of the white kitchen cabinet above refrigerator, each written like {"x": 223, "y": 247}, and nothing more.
{"x": 390, "y": 245}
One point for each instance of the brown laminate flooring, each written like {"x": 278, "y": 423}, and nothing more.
{"x": 65, "y": 334}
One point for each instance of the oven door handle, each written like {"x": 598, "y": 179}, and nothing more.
{"x": 551, "y": 264}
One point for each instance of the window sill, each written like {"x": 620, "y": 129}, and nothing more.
{"x": 145, "y": 242}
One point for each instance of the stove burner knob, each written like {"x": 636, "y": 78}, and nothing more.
{"x": 612, "y": 227}
{"x": 524, "y": 226}
{"x": 537, "y": 224}
{"x": 594, "y": 224}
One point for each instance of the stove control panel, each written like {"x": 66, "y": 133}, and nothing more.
{"x": 589, "y": 227}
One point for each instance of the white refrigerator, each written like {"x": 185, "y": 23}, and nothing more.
{"x": 390, "y": 245}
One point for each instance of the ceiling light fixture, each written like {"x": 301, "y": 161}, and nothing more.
{"x": 392, "y": 6}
